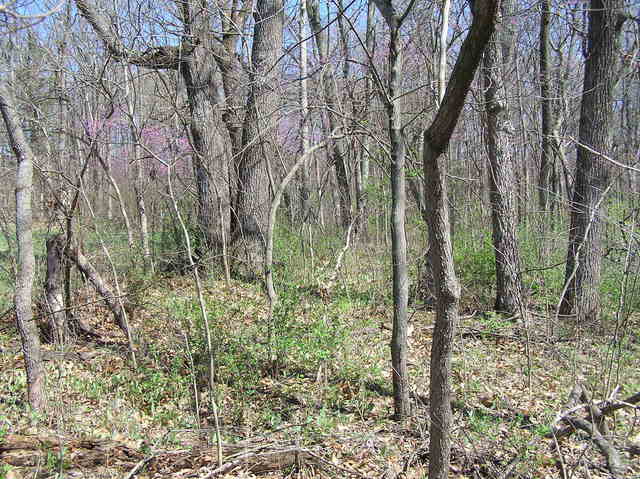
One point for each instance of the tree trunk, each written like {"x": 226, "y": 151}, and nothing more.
{"x": 393, "y": 104}
{"x": 502, "y": 183}
{"x": 330, "y": 92}
{"x": 547, "y": 157}
{"x": 114, "y": 304}
{"x": 362, "y": 175}
{"x": 209, "y": 136}
{"x": 584, "y": 255}
{"x": 54, "y": 293}
{"x": 435, "y": 141}
{"x": 305, "y": 131}
{"x": 258, "y": 138}
{"x": 28, "y": 328}
{"x": 136, "y": 159}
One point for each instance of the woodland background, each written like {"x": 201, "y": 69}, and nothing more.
{"x": 319, "y": 238}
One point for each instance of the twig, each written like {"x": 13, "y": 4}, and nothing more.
{"x": 228, "y": 466}
{"x": 335, "y": 466}
{"x": 139, "y": 466}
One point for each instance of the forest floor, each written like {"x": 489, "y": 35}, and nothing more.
{"x": 308, "y": 393}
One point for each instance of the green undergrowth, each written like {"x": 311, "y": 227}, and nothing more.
{"x": 321, "y": 361}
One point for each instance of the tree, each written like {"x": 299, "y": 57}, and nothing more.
{"x": 209, "y": 136}
{"x": 259, "y": 137}
{"x": 330, "y": 94}
{"x": 29, "y": 332}
{"x": 435, "y": 141}
{"x": 502, "y": 184}
{"x": 593, "y": 170}
{"x": 392, "y": 99}
{"x": 546, "y": 103}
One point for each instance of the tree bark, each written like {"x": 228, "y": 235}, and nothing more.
{"x": 305, "y": 131}
{"x": 435, "y": 141}
{"x": 86, "y": 268}
{"x": 502, "y": 182}
{"x": 259, "y": 137}
{"x": 584, "y": 255}
{"x": 330, "y": 93}
{"x": 54, "y": 293}
{"x": 547, "y": 157}
{"x": 27, "y": 326}
{"x": 209, "y": 137}
{"x": 393, "y": 105}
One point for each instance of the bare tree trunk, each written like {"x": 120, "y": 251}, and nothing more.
{"x": 27, "y": 327}
{"x": 259, "y": 137}
{"x": 54, "y": 293}
{"x": 584, "y": 255}
{"x": 393, "y": 104}
{"x": 305, "y": 131}
{"x": 362, "y": 175}
{"x": 502, "y": 185}
{"x": 86, "y": 268}
{"x": 131, "y": 93}
{"x": 435, "y": 141}
{"x": 547, "y": 156}
{"x": 442, "y": 53}
{"x": 329, "y": 89}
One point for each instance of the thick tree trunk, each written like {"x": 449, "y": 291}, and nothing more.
{"x": 584, "y": 256}
{"x": 209, "y": 136}
{"x": 54, "y": 291}
{"x": 259, "y": 138}
{"x": 28, "y": 328}
{"x": 435, "y": 141}
{"x": 502, "y": 181}
{"x": 330, "y": 92}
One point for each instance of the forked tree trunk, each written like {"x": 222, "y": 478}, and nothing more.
{"x": 28, "y": 328}
{"x": 584, "y": 255}
{"x": 435, "y": 141}
{"x": 502, "y": 181}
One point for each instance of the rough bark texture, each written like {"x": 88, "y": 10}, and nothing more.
{"x": 209, "y": 136}
{"x": 330, "y": 93}
{"x": 584, "y": 255}
{"x": 435, "y": 141}
{"x": 259, "y": 137}
{"x": 54, "y": 292}
{"x": 502, "y": 182}
{"x": 29, "y": 333}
